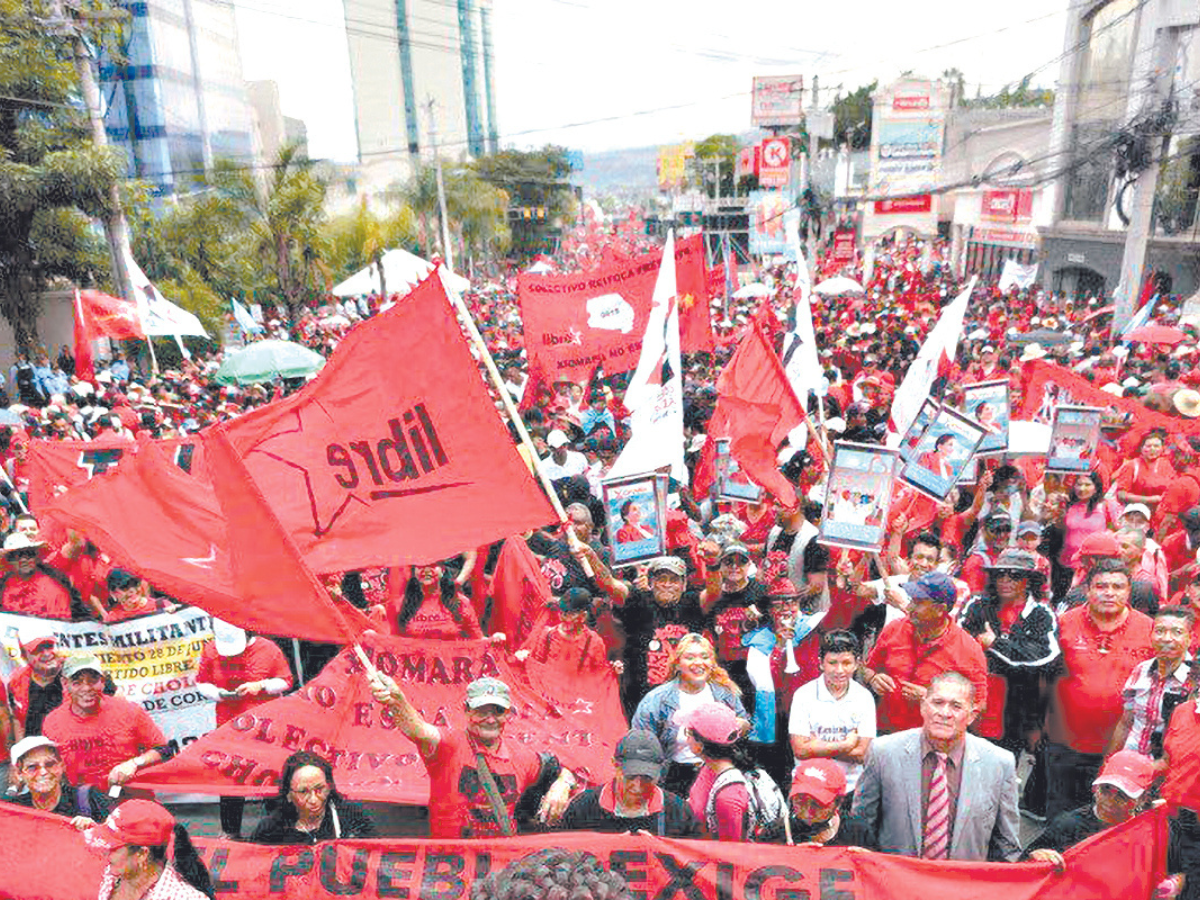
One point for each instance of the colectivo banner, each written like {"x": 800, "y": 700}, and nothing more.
{"x": 1122, "y": 863}
{"x": 575, "y": 716}
{"x": 151, "y": 659}
{"x": 575, "y": 322}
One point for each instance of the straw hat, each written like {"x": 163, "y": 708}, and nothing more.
{"x": 1186, "y": 402}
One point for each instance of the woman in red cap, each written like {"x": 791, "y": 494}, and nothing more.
{"x": 149, "y": 856}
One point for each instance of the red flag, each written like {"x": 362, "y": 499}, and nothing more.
{"x": 268, "y": 572}
{"x": 155, "y": 519}
{"x": 336, "y": 716}
{"x": 520, "y": 592}
{"x": 83, "y": 345}
{"x": 99, "y": 315}
{"x": 759, "y": 409}
{"x": 394, "y": 453}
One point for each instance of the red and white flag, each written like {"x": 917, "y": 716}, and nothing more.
{"x": 934, "y": 359}
{"x": 100, "y": 315}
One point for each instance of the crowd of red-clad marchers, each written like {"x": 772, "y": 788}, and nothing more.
{"x": 777, "y": 688}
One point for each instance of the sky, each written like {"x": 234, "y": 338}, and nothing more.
{"x": 598, "y": 75}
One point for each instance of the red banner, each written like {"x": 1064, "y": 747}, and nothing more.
{"x": 1122, "y": 863}
{"x": 921, "y": 203}
{"x": 1007, "y": 205}
{"x": 336, "y": 716}
{"x": 575, "y": 322}
{"x": 104, "y": 316}
{"x": 843, "y": 246}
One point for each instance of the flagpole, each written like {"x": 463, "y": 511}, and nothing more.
{"x": 489, "y": 364}
{"x": 153, "y": 358}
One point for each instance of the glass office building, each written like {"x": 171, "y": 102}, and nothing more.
{"x": 177, "y": 101}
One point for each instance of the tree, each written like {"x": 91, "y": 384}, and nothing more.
{"x": 477, "y": 209}
{"x": 852, "y": 117}
{"x": 540, "y": 197}
{"x": 51, "y": 176}
{"x": 280, "y": 222}
{"x": 717, "y": 152}
{"x": 361, "y": 237}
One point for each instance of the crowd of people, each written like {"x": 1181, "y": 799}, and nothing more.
{"x": 777, "y": 688}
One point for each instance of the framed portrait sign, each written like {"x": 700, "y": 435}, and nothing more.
{"x": 942, "y": 453}
{"x": 1074, "y": 436}
{"x": 858, "y": 496}
{"x": 732, "y": 482}
{"x": 912, "y": 437}
{"x": 987, "y": 403}
{"x": 635, "y": 510}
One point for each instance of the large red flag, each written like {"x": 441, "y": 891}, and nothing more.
{"x": 99, "y": 315}
{"x": 395, "y": 453}
{"x": 758, "y": 408}
{"x": 520, "y": 592}
{"x": 572, "y": 322}
{"x": 155, "y": 519}
{"x": 83, "y": 344}
{"x": 335, "y": 715}
{"x": 268, "y": 572}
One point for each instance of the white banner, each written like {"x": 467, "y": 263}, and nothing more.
{"x": 152, "y": 659}
{"x": 1015, "y": 274}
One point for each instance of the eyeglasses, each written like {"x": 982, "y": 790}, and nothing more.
{"x": 23, "y": 554}
{"x": 319, "y": 790}
{"x": 735, "y": 561}
{"x": 42, "y": 766}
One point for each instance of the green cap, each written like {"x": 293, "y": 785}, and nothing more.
{"x": 488, "y": 691}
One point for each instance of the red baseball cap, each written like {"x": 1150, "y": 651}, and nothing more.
{"x": 821, "y": 779}
{"x": 1099, "y": 543}
{"x": 1129, "y": 772}
{"x": 141, "y": 823}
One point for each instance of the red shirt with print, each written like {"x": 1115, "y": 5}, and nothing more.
{"x": 1087, "y": 698}
{"x": 91, "y": 745}
{"x": 261, "y": 659}
{"x": 458, "y": 805}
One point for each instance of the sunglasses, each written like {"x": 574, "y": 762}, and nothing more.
{"x": 735, "y": 561}
{"x": 23, "y": 554}
{"x": 1014, "y": 574}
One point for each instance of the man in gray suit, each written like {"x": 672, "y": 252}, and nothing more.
{"x": 938, "y": 792}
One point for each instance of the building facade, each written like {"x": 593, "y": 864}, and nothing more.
{"x": 406, "y": 53}
{"x": 1110, "y": 84}
{"x": 177, "y": 101}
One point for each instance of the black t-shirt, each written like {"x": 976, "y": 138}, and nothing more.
{"x": 816, "y": 558}
{"x": 1067, "y": 829}
{"x": 674, "y": 820}
{"x": 41, "y": 701}
{"x": 561, "y": 568}
{"x": 651, "y": 630}
{"x": 279, "y": 828}
{"x": 726, "y": 616}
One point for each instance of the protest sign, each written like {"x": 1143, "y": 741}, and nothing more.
{"x": 858, "y": 496}
{"x": 942, "y": 453}
{"x": 152, "y": 660}
{"x": 1074, "y": 435}
{"x": 732, "y": 483}
{"x": 912, "y": 437}
{"x": 1120, "y": 863}
{"x": 335, "y": 716}
{"x": 635, "y": 509}
{"x": 987, "y": 402}
{"x": 576, "y": 322}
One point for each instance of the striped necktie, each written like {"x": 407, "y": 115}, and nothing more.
{"x": 937, "y": 813}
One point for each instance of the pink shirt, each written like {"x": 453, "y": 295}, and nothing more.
{"x": 730, "y": 807}
{"x": 1078, "y": 524}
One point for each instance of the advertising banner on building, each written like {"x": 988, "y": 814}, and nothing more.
{"x": 775, "y": 162}
{"x": 777, "y": 100}
{"x": 767, "y": 234}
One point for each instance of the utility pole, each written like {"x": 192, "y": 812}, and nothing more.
{"x": 116, "y": 230}
{"x": 1160, "y": 74}
{"x": 447, "y": 250}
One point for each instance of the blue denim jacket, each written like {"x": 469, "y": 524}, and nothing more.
{"x": 657, "y": 709}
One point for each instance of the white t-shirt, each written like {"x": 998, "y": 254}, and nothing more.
{"x": 817, "y": 713}
{"x": 682, "y": 752}
{"x": 575, "y": 464}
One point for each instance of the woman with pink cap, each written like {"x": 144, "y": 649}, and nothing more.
{"x": 149, "y": 856}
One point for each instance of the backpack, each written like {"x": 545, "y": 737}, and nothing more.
{"x": 768, "y": 807}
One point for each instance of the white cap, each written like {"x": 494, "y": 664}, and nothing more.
{"x": 1136, "y": 507}
{"x": 25, "y": 745}
{"x": 557, "y": 438}
{"x": 230, "y": 639}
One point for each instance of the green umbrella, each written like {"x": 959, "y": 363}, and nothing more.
{"x": 268, "y": 360}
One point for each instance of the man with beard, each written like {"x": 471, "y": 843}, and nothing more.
{"x": 655, "y": 611}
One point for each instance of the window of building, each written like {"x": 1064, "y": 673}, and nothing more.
{"x": 1102, "y": 100}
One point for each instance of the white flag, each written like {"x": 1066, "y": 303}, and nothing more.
{"x": 939, "y": 349}
{"x": 160, "y": 317}
{"x": 800, "y": 360}
{"x": 655, "y": 394}
{"x": 244, "y": 319}
{"x": 1014, "y": 274}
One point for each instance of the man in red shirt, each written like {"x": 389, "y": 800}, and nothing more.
{"x": 476, "y": 777}
{"x": 1181, "y": 789}
{"x": 239, "y": 671}
{"x": 1101, "y": 642}
{"x": 910, "y": 651}
{"x": 32, "y": 588}
{"x": 569, "y": 646}
{"x": 104, "y": 740}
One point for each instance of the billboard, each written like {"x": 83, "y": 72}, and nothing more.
{"x": 775, "y": 162}
{"x": 777, "y": 100}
